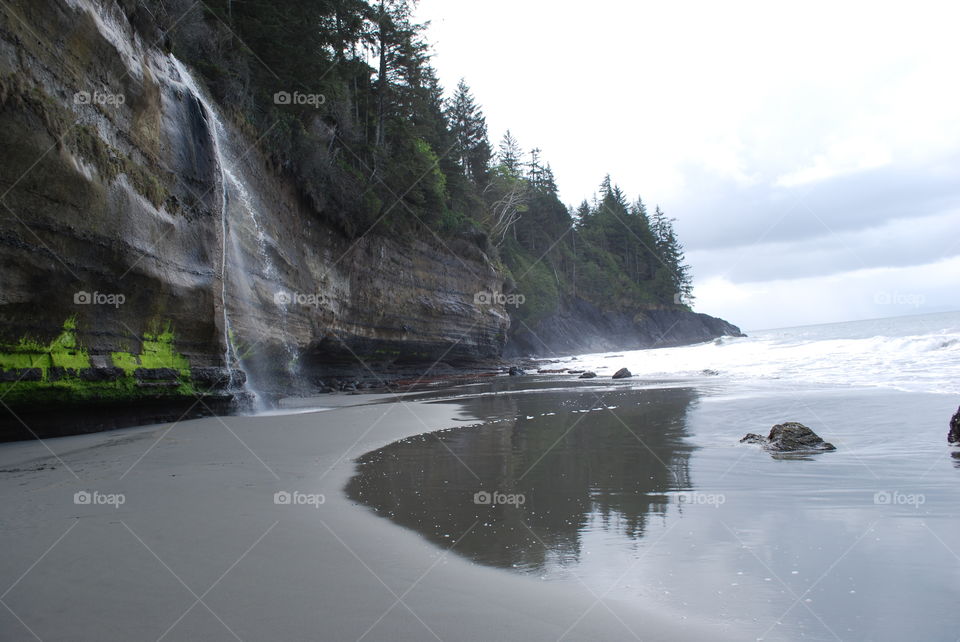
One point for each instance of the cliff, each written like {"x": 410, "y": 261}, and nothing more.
{"x": 155, "y": 259}
{"x": 148, "y": 252}
{"x": 581, "y": 327}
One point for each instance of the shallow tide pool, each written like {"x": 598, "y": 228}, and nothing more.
{"x": 643, "y": 491}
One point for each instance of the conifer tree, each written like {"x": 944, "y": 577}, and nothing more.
{"x": 534, "y": 169}
{"x": 509, "y": 155}
{"x": 469, "y": 128}
{"x": 670, "y": 253}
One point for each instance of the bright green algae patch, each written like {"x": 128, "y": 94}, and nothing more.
{"x": 63, "y": 364}
{"x": 158, "y": 352}
{"x": 61, "y": 352}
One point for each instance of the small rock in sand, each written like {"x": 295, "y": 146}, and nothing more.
{"x": 622, "y": 373}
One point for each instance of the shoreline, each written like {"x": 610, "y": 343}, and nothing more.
{"x": 27, "y": 421}
{"x": 179, "y": 395}
{"x": 200, "y": 493}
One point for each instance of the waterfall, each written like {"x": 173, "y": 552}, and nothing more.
{"x": 270, "y": 271}
{"x": 230, "y": 357}
{"x": 242, "y": 284}
{"x": 230, "y": 351}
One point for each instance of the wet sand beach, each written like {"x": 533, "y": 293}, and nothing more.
{"x": 197, "y": 548}
{"x": 644, "y": 491}
{"x": 524, "y": 508}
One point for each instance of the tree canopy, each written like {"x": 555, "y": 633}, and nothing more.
{"x": 382, "y": 147}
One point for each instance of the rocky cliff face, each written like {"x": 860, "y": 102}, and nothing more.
{"x": 580, "y": 326}
{"x": 150, "y": 255}
{"x": 144, "y": 242}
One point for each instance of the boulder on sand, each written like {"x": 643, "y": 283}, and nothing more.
{"x": 588, "y": 375}
{"x": 954, "y": 435}
{"x": 622, "y": 373}
{"x": 790, "y": 437}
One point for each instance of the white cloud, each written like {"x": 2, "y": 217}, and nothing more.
{"x": 896, "y": 243}
{"x": 840, "y": 158}
{"x": 859, "y": 294}
{"x": 748, "y": 121}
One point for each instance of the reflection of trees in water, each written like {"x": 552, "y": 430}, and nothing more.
{"x": 575, "y": 469}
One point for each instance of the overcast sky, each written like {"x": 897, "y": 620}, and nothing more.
{"x": 809, "y": 151}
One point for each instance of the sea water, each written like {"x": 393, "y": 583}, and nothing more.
{"x": 639, "y": 489}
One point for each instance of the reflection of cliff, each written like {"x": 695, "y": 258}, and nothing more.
{"x": 575, "y": 469}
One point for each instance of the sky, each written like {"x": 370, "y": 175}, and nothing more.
{"x": 810, "y": 152}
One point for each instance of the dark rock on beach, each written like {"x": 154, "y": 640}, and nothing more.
{"x": 789, "y": 437}
{"x": 516, "y": 371}
{"x": 588, "y": 375}
{"x": 622, "y": 373}
{"x": 216, "y": 378}
{"x": 954, "y": 435}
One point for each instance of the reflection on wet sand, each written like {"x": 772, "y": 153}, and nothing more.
{"x": 559, "y": 464}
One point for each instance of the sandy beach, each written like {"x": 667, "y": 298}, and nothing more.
{"x": 181, "y": 538}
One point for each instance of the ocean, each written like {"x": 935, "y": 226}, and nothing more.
{"x": 640, "y": 489}
{"x": 912, "y": 353}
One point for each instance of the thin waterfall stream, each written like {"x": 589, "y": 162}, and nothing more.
{"x": 238, "y": 279}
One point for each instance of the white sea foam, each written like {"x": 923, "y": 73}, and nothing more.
{"x": 919, "y": 354}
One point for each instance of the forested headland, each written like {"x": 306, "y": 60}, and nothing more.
{"x": 341, "y": 96}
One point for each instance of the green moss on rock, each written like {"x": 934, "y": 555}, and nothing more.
{"x": 67, "y": 373}
{"x": 158, "y": 352}
{"x": 62, "y": 352}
